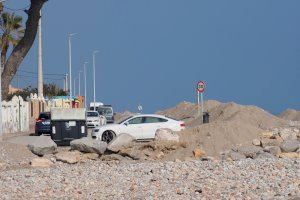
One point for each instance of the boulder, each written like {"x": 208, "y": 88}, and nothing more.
{"x": 288, "y": 134}
{"x": 274, "y": 150}
{"x": 290, "y": 145}
{"x": 264, "y": 155}
{"x": 166, "y": 135}
{"x": 134, "y": 154}
{"x": 70, "y": 157}
{"x": 250, "y": 151}
{"x": 270, "y": 142}
{"x": 236, "y": 156}
{"x": 198, "y": 153}
{"x": 42, "y": 145}
{"x": 269, "y": 134}
{"x": 256, "y": 142}
{"x": 123, "y": 140}
{"x": 41, "y": 162}
{"x": 89, "y": 145}
{"x": 289, "y": 155}
{"x": 114, "y": 157}
{"x": 90, "y": 156}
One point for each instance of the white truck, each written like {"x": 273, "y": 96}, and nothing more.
{"x": 95, "y": 106}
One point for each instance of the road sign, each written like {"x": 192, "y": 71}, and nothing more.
{"x": 201, "y": 86}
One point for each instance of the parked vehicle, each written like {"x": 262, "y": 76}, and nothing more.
{"x": 92, "y": 119}
{"x": 95, "y": 106}
{"x": 43, "y": 124}
{"x": 107, "y": 112}
{"x": 142, "y": 127}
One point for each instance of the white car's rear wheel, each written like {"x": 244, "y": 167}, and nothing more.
{"x": 108, "y": 136}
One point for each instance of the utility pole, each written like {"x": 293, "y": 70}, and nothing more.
{"x": 74, "y": 86}
{"x": 94, "y": 72}
{"x": 40, "y": 59}
{"x": 84, "y": 71}
{"x": 70, "y": 63}
{"x": 79, "y": 85}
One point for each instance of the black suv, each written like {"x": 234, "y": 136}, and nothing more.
{"x": 43, "y": 124}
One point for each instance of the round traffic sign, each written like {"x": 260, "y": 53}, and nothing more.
{"x": 201, "y": 86}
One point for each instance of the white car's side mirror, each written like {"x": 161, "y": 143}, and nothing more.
{"x": 126, "y": 123}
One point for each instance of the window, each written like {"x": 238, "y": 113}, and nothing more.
{"x": 137, "y": 120}
{"x": 154, "y": 120}
{"x": 45, "y": 116}
{"x": 92, "y": 114}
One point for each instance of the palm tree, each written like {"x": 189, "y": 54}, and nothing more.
{"x": 12, "y": 32}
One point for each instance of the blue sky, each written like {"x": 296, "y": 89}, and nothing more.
{"x": 154, "y": 52}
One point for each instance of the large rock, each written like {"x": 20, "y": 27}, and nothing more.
{"x": 288, "y": 134}
{"x": 42, "y": 145}
{"x": 121, "y": 141}
{"x": 235, "y": 156}
{"x": 290, "y": 155}
{"x": 270, "y": 142}
{"x": 89, "y": 145}
{"x": 166, "y": 135}
{"x": 41, "y": 162}
{"x": 70, "y": 157}
{"x": 264, "y": 155}
{"x": 250, "y": 151}
{"x": 290, "y": 145}
{"x": 274, "y": 150}
{"x": 256, "y": 142}
{"x": 198, "y": 153}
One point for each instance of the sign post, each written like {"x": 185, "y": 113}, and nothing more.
{"x": 200, "y": 90}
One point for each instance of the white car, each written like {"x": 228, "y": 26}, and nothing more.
{"x": 92, "y": 119}
{"x": 142, "y": 127}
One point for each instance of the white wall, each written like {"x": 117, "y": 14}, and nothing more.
{"x": 15, "y": 115}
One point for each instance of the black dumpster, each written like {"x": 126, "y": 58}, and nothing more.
{"x": 205, "y": 117}
{"x": 67, "y": 125}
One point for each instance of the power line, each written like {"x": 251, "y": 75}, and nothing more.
{"x": 49, "y": 74}
{"x": 26, "y": 76}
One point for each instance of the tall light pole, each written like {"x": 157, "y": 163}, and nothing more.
{"x": 70, "y": 62}
{"x": 94, "y": 72}
{"x": 74, "y": 86}
{"x": 40, "y": 59}
{"x": 79, "y": 85}
{"x": 84, "y": 72}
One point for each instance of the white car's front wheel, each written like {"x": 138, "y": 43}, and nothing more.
{"x": 108, "y": 136}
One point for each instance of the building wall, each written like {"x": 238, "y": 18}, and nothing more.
{"x": 15, "y": 115}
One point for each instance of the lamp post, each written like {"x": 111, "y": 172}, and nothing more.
{"x": 94, "y": 73}
{"x": 40, "y": 59}
{"x": 70, "y": 62}
{"x": 74, "y": 86}
{"x": 84, "y": 73}
{"x": 79, "y": 85}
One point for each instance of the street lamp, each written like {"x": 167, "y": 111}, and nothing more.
{"x": 70, "y": 62}
{"x": 74, "y": 86}
{"x": 79, "y": 85}
{"x": 94, "y": 72}
{"x": 84, "y": 72}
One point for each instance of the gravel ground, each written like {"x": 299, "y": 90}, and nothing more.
{"x": 246, "y": 179}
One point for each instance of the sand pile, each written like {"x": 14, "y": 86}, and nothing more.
{"x": 290, "y": 114}
{"x": 122, "y": 116}
{"x": 230, "y": 125}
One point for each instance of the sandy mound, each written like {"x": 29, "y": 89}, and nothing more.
{"x": 231, "y": 125}
{"x": 122, "y": 116}
{"x": 214, "y": 138}
{"x": 290, "y": 114}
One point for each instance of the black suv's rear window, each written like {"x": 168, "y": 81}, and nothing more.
{"x": 45, "y": 116}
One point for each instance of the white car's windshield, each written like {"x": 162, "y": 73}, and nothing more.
{"x": 92, "y": 114}
{"x": 105, "y": 111}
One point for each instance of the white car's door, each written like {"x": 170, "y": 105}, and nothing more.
{"x": 150, "y": 125}
{"x": 134, "y": 127}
